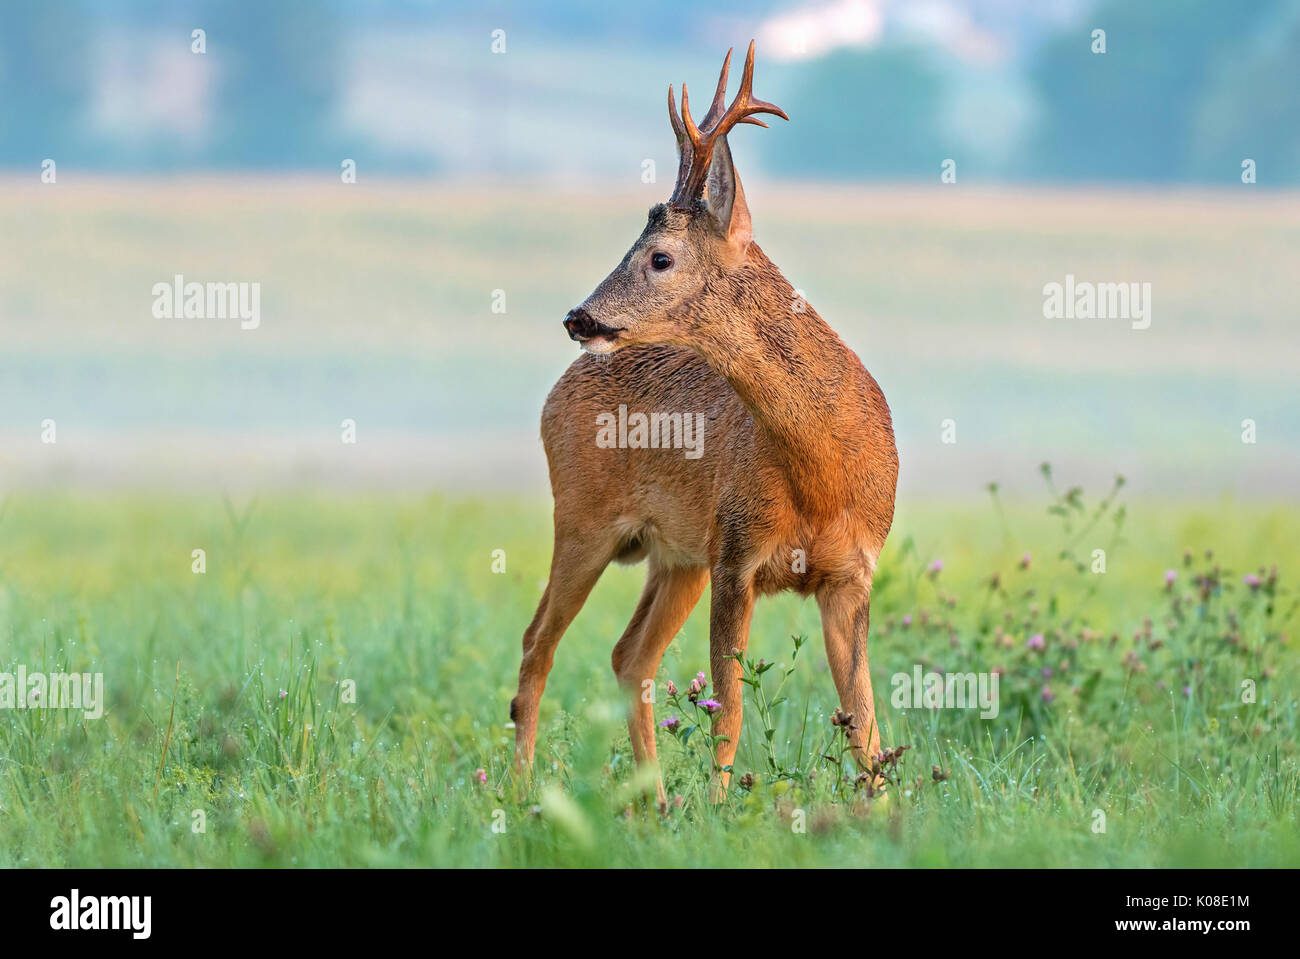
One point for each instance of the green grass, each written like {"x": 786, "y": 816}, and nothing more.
{"x": 303, "y": 594}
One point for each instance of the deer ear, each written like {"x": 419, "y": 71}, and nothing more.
{"x": 725, "y": 198}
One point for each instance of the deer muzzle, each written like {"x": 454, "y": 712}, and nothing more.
{"x": 582, "y": 326}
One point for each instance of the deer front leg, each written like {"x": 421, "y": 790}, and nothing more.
{"x": 730, "y": 608}
{"x": 845, "y": 618}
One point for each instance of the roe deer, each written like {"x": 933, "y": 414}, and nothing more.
{"x": 792, "y": 487}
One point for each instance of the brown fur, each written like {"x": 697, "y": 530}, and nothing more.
{"x": 798, "y": 454}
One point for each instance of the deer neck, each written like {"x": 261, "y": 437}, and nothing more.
{"x": 795, "y": 375}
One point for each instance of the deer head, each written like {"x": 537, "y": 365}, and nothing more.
{"x": 701, "y": 233}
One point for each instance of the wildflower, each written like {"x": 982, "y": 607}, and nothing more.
{"x": 1035, "y": 641}
{"x": 746, "y": 782}
{"x": 672, "y": 688}
{"x": 1025, "y": 561}
{"x": 1170, "y": 576}
{"x": 481, "y": 774}
{"x": 1048, "y": 695}
{"x": 888, "y": 757}
{"x": 672, "y": 724}
{"x": 710, "y": 706}
{"x": 1251, "y": 580}
{"x": 907, "y": 620}
{"x": 283, "y": 694}
{"x": 934, "y": 568}
{"x": 698, "y": 686}
{"x": 841, "y": 718}
{"x": 867, "y": 781}
{"x": 939, "y": 775}
{"x": 1187, "y": 691}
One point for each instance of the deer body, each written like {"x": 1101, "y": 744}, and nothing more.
{"x": 794, "y": 486}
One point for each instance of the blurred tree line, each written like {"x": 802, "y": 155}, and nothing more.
{"x": 45, "y": 80}
{"x": 279, "y": 78}
{"x": 1185, "y": 91}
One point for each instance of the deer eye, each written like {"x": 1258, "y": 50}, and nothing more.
{"x": 661, "y": 261}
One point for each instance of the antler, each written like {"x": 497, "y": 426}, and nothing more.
{"x": 695, "y": 144}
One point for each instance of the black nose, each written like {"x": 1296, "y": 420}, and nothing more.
{"x": 581, "y": 325}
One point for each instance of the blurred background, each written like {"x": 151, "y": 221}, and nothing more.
{"x": 504, "y": 156}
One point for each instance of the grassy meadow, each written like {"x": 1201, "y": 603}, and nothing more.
{"x": 1119, "y": 694}
{"x": 333, "y": 688}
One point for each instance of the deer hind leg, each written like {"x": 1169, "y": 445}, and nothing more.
{"x": 845, "y": 611}
{"x": 669, "y": 596}
{"x": 731, "y": 607}
{"x": 576, "y": 564}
